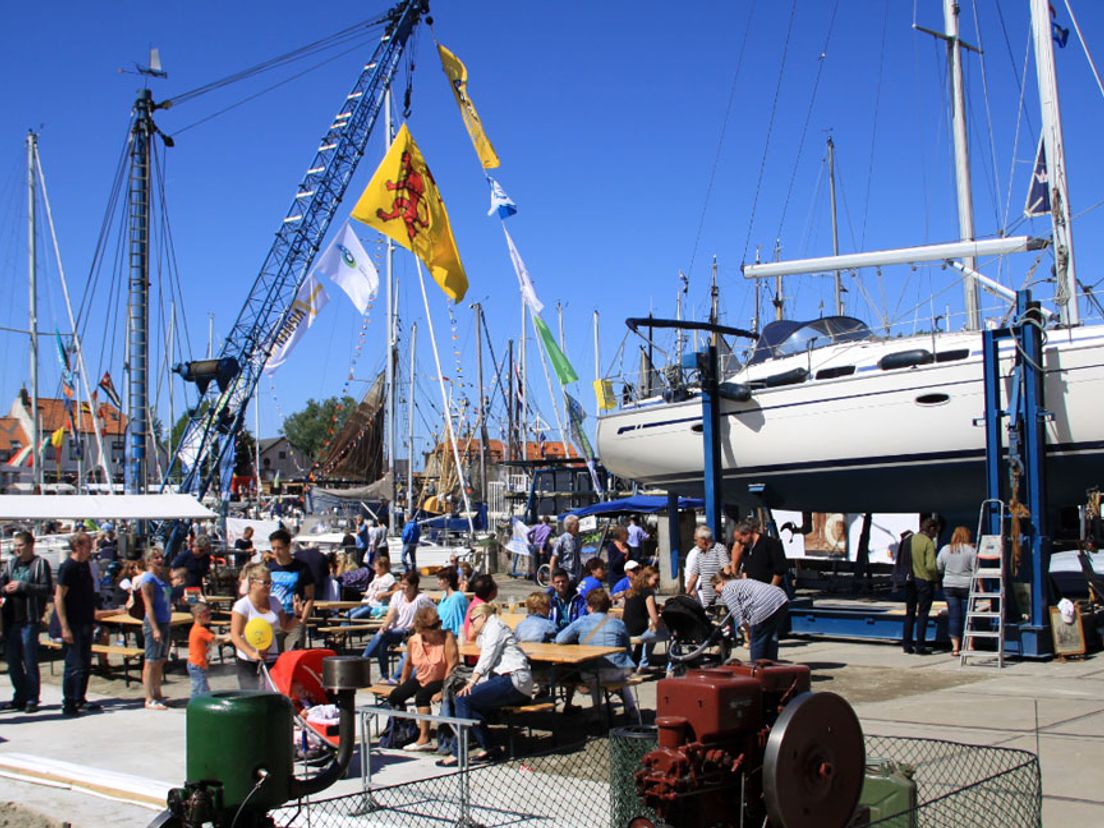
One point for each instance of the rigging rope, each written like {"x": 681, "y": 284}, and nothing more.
{"x": 770, "y": 129}
{"x": 821, "y": 60}
{"x": 1084, "y": 47}
{"x": 328, "y": 42}
{"x": 720, "y": 143}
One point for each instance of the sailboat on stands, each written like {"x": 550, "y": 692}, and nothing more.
{"x": 826, "y": 415}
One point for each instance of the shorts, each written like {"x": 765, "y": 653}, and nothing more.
{"x": 154, "y": 650}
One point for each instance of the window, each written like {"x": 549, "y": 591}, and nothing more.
{"x": 75, "y": 445}
{"x": 283, "y": 455}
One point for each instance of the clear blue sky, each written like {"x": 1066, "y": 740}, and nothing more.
{"x": 608, "y": 118}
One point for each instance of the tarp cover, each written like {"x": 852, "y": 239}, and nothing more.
{"x": 639, "y": 505}
{"x": 102, "y": 507}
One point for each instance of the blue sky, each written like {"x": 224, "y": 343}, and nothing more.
{"x": 610, "y": 119}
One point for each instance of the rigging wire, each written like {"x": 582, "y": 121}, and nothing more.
{"x": 874, "y": 127}
{"x": 821, "y": 60}
{"x": 1084, "y": 47}
{"x": 720, "y": 143}
{"x": 242, "y": 101}
{"x": 982, "y": 63}
{"x": 327, "y": 42}
{"x": 770, "y": 129}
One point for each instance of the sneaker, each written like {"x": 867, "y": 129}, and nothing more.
{"x": 70, "y": 711}
{"x": 90, "y": 707}
{"x": 419, "y": 747}
{"x": 30, "y": 707}
{"x": 156, "y": 705}
{"x": 12, "y": 705}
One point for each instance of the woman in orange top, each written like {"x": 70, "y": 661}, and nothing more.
{"x": 432, "y": 654}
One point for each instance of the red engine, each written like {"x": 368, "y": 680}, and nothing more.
{"x": 743, "y": 742}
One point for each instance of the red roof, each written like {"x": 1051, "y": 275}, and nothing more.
{"x": 52, "y": 411}
{"x": 11, "y": 433}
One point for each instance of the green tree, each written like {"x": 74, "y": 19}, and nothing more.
{"x": 308, "y": 429}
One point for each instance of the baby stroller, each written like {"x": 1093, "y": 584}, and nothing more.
{"x": 297, "y": 674}
{"x": 695, "y": 640}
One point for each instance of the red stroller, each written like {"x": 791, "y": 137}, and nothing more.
{"x": 297, "y": 674}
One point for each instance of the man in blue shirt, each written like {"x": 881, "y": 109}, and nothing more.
{"x": 595, "y": 575}
{"x": 598, "y": 629}
{"x": 411, "y": 535}
{"x": 567, "y": 604}
{"x": 619, "y": 589}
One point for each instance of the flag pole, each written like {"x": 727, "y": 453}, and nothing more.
{"x": 444, "y": 399}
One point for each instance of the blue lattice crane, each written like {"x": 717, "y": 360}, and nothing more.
{"x": 227, "y": 382}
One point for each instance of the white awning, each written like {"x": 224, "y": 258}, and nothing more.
{"x": 102, "y": 507}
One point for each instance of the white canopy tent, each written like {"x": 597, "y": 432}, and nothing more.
{"x": 103, "y": 507}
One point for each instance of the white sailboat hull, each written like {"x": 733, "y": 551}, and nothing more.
{"x": 907, "y": 439}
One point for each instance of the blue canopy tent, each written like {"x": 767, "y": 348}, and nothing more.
{"x": 638, "y": 505}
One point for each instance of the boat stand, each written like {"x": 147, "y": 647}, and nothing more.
{"x": 1017, "y": 476}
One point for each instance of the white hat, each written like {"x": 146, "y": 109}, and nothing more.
{"x": 631, "y": 565}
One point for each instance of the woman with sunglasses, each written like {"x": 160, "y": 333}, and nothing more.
{"x": 257, "y": 603}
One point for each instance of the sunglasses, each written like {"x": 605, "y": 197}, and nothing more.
{"x": 260, "y": 581}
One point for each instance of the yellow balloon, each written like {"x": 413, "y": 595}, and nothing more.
{"x": 258, "y": 633}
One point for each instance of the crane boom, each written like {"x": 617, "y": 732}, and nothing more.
{"x": 237, "y": 369}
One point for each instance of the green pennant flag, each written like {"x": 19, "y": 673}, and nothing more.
{"x": 563, "y": 368}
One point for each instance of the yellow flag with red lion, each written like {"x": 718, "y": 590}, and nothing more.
{"x": 402, "y": 201}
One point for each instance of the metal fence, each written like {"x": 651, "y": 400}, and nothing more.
{"x": 958, "y": 786}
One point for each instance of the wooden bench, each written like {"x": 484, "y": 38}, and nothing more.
{"x": 611, "y": 687}
{"x": 128, "y": 654}
{"x": 511, "y": 713}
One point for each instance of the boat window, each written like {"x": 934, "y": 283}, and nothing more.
{"x": 905, "y": 359}
{"x": 951, "y": 356}
{"x": 838, "y": 371}
{"x": 786, "y": 337}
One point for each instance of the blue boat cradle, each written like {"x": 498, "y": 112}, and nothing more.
{"x": 637, "y": 505}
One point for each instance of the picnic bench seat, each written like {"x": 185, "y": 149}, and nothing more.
{"x": 127, "y": 654}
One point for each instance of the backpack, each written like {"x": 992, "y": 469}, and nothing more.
{"x": 136, "y": 604}
{"x": 398, "y": 733}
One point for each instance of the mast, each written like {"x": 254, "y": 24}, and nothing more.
{"x": 523, "y": 418}
{"x": 1054, "y": 149}
{"x": 482, "y": 401}
{"x": 138, "y": 295}
{"x": 597, "y": 354}
{"x": 389, "y": 380}
{"x": 410, "y": 426}
{"x": 511, "y": 454}
{"x": 962, "y": 159}
{"x": 835, "y": 223}
{"x": 32, "y": 278}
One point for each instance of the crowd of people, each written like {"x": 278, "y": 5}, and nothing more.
{"x": 746, "y": 579}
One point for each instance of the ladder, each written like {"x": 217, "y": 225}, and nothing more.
{"x": 985, "y": 604}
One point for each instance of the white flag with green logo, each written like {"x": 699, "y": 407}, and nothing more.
{"x": 347, "y": 264}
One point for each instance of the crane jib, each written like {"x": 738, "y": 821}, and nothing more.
{"x": 298, "y": 240}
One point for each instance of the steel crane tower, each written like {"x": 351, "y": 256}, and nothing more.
{"x": 237, "y": 368}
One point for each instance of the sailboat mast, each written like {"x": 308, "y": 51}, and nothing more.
{"x": 32, "y": 278}
{"x": 835, "y": 222}
{"x": 962, "y": 160}
{"x": 1054, "y": 149}
{"x": 482, "y": 400}
{"x": 389, "y": 370}
{"x": 410, "y": 426}
{"x": 138, "y": 299}
{"x": 511, "y": 408}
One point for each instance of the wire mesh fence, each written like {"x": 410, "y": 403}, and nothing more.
{"x": 957, "y": 786}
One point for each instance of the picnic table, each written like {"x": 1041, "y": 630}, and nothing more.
{"x": 124, "y": 619}
{"x": 336, "y": 605}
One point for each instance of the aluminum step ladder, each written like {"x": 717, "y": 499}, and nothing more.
{"x": 985, "y": 604}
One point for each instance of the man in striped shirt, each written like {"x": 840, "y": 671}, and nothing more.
{"x": 711, "y": 558}
{"x": 762, "y": 607}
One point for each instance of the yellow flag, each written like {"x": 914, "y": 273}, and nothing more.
{"x": 457, "y": 73}
{"x": 603, "y": 393}
{"x": 402, "y": 201}
{"x": 58, "y": 437}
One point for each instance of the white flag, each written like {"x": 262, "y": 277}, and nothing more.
{"x": 525, "y": 284}
{"x": 312, "y": 297}
{"x": 346, "y": 264}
